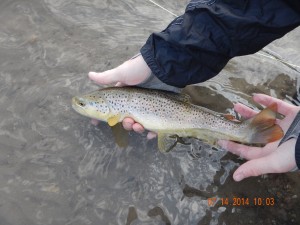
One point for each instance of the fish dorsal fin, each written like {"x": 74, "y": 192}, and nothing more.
{"x": 165, "y": 142}
{"x": 113, "y": 120}
{"x": 184, "y": 97}
{"x": 178, "y": 96}
{"x": 120, "y": 135}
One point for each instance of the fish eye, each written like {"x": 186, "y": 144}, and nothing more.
{"x": 81, "y": 104}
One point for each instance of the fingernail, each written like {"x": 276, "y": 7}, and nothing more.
{"x": 151, "y": 135}
{"x": 139, "y": 131}
{"x": 238, "y": 177}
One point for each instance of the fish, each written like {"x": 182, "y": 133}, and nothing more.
{"x": 171, "y": 114}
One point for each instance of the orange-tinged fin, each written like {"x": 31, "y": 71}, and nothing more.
{"x": 264, "y": 129}
{"x": 231, "y": 118}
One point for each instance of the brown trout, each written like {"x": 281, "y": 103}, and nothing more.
{"x": 168, "y": 113}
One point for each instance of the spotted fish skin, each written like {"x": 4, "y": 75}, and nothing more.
{"x": 165, "y": 113}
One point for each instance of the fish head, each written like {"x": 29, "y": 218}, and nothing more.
{"x": 92, "y": 105}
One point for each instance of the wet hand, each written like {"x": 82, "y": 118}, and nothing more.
{"x": 270, "y": 158}
{"x": 131, "y": 72}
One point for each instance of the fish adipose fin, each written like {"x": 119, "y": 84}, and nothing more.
{"x": 231, "y": 118}
{"x": 263, "y": 127}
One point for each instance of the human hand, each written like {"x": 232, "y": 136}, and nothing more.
{"x": 132, "y": 72}
{"x": 270, "y": 158}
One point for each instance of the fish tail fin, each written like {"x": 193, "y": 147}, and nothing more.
{"x": 263, "y": 127}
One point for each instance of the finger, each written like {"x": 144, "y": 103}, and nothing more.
{"x": 282, "y": 107}
{"x": 244, "y": 151}
{"x": 286, "y": 122}
{"x": 107, "y": 77}
{"x": 128, "y": 123}
{"x": 277, "y": 162}
{"x": 138, "y": 128}
{"x": 151, "y": 135}
{"x": 252, "y": 168}
{"x": 245, "y": 111}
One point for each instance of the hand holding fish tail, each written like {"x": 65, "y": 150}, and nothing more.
{"x": 271, "y": 158}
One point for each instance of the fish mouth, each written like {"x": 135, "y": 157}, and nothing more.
{"x": 78, "y": 105}
{"x": 81, "y": 106}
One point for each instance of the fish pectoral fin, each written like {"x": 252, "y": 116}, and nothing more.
{"x": 165, "y": 142}
{"x": 120, "y": 135}
{"x": 113, "y": 120}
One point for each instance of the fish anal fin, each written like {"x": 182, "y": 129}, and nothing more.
{"x": 113, "y": 120}
{"x": 120, "y": 135}
{"x": 165, "y": 142}
{"x": 263, "y": 126}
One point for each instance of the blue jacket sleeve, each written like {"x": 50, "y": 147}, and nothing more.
{"x": 197, "y": 45}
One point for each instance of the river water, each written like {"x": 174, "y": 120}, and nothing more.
{"x": 57, "y": 168}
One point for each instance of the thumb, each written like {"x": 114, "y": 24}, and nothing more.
{"x": 131, "y": 72}
{"x": 107, "y": 77}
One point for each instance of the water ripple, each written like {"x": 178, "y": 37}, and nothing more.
{"x": 57, "y": 168}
